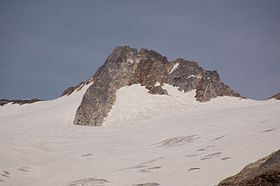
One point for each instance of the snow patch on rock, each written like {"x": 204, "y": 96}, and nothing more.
{"x": 130, "y": 60}
{"x": 174, "y": 67}
{"x": 157, "y": 84}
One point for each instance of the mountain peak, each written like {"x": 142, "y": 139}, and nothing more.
{"x": 126, "y": 66}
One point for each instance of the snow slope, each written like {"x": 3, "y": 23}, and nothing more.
{"x": 169, "y": 140}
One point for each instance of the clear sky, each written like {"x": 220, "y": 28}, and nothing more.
{"x": 47, "y": 46}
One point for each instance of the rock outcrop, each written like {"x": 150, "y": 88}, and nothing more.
{"x": 264, "y": 172}
{"x": 127, "y": 66}
{"x": 276, "y": 96}
{"x": 70, "y": 90}
{"x": 18, "y": 101}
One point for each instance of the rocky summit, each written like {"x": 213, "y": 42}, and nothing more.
{"x": 126, "y": 66}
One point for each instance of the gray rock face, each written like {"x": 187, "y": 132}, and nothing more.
{"x": 264, "y": 172}
{"x": 158, "y": 90}
{"x": 126, "y": 66}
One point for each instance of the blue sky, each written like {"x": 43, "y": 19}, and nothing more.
{"x": 47, "y": 46}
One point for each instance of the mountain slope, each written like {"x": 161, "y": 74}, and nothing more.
{"x": 186, "y": 143}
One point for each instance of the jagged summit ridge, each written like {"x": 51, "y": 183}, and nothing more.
{"x": 127, "y": 66}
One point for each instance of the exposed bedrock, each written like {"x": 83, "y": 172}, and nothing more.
{"x": 264, "y": 172}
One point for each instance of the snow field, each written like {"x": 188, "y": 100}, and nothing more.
{"x": 169, "y": 140}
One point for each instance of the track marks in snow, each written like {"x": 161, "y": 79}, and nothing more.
{"x": 211, "y": 156}
{"x": 218, "y": 138}
{"x": 206, "y": 148}
{"x": 264, "y": 121}
{"x": 190, "y": 155}
{"x": 89, "y": 182}
{"x": 147, "y": 184}
{"x": 147, "y": 166}
{"x": 6, "y": 172}
{"x": 149, "y": 169}
{"x": 193, "y": 169}
{"x": 24, "y": 169}
{"x": 4, "y": 175}
{"x": 226, "y": 158}
{"x": 268, "y": 130}
{"x": 176, "y": 141}
{"x": 87, "y": 155}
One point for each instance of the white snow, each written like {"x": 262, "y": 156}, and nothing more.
{"x": 174, "y": 67}
{"x": 157, "y": 84}
{"x": 134, "y": 104}
{"x": 194, "y": 76}
{"x": 170, "y": 140}
{"x": 130, "y": 60}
